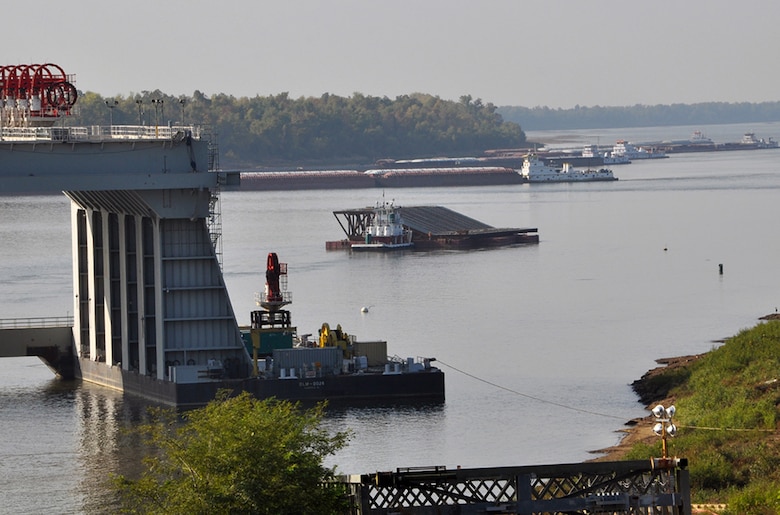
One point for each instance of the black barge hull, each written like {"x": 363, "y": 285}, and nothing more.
{"x": 358, "y": 389}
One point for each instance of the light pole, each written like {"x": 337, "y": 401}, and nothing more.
{"x": 158, "y": 107}
{"x": 140, "y": 112}
{"x": 181, "y": 103}
{"x": 111, "y": 104}
{"x": 664, "y": 425}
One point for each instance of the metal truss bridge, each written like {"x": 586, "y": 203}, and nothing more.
{"x": 660, "y": 486}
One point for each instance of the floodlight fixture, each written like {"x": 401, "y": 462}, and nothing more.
{"x": 664, "y": 426}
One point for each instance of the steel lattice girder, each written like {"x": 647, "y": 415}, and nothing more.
{"x": 615, "y": 487}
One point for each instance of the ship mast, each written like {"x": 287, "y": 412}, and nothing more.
{"x": 271, "y": 326}
{"x": 275, "y": 295}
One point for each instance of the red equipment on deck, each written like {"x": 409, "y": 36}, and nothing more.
{"x": 275, "y": 294}
{"x": 35, "y": 94}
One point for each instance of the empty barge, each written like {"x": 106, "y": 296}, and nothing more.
{"x": 432, "y": 227}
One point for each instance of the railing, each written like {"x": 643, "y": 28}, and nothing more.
{"x": 97, "y": 133}
{"x": 630, "y": 487}
{"x": 36, "y": 322}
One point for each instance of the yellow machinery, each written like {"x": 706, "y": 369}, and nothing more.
{"x": 336, "y": 338}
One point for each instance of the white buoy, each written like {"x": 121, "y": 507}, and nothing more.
{"x": 364, "y": 309}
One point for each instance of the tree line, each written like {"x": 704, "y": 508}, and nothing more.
{"x": 598, "y": 117}
{"x": 278, "y": 129}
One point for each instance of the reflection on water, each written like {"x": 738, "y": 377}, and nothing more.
{"x": 62, "y": 441}
{"x": 108, "y": 445}
{"x": 418, "y": 424}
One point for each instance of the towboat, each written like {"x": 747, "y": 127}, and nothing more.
{"x": 607, "y": 158}
{"x": 385, "y": 230}
{"x": 536, "y": 170}
{"x": 630, "y": 151}
{"x": 749, "y": 139}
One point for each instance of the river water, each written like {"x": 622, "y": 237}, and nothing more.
{"x": 539, "y": 343}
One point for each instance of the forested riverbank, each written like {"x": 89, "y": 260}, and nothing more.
{"x": 332, "y": 131}
{"x": 279, "y": 130}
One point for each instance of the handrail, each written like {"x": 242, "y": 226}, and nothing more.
{"x": 98, "y": 133}
{"x": 36, "y": 322}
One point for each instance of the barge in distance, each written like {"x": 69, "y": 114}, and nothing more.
{"x": 377, "y": 178}
{"x": 698, "y": 142}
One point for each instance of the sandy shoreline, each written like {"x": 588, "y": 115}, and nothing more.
{"x": 641, "y": 429}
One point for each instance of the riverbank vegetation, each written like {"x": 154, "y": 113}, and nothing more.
{"x": 330, "y": 130}
{"x": 727, "y": 418}
{"x": 279, "y": 130}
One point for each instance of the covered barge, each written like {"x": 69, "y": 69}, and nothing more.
{"x": 432, "y": 227}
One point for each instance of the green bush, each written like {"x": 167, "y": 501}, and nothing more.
{"x": 711, "y": 471}
{"x": 237, "y": 455}
{"x": 757, "y": 499}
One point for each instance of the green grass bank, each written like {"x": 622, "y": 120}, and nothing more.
{"x": 727, "y": 418}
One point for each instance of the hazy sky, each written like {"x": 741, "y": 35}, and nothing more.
{"x": 509, "y": 52}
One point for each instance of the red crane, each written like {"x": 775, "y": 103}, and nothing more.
{"x": 275, "y": 284}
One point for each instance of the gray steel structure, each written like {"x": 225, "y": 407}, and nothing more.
{"x": 659, "y": 486}
{"x": 147, "y": 282}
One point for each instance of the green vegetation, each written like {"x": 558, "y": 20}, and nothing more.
{"x": 236, "y": 455}
{"x": 263, "y": 131}
{"x": 331, "y": 130}
{"x": 727, "y": 415}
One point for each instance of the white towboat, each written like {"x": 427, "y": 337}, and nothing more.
{"x": 607, "y": 158}
{"x": 535, "y": 170}
{"x": 632, "y": 152}
{"x": 749, "y": 139}
{"x": 386, "y": 231}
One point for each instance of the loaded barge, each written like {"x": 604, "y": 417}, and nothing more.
{"x": 698, "y": 142}
{"x": 379, "y": 178}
